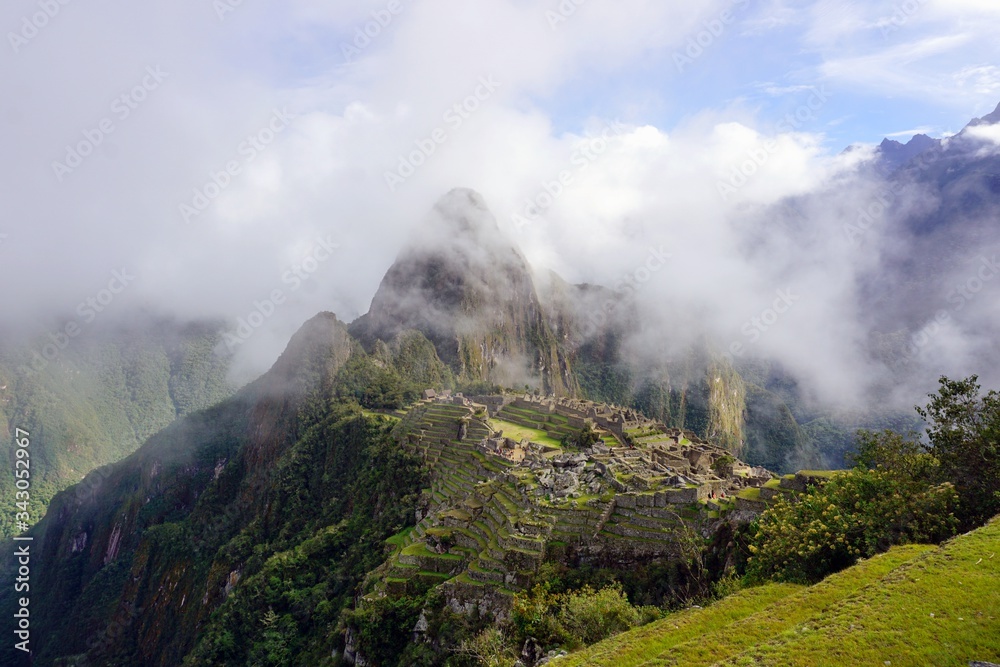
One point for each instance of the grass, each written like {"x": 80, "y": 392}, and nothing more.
{"x": 943, "y": 609}
{"x": 913, "y": 606}
{"x": 824, "y": 474}
{"x": 518, "y": 432}
{"x": 749, "y": 494}
{"x": 633, "y": 648}
{"x": 420, "y": 549}
{"x": 460, "y": 515}
{"x": 391, "y": 416}
{"x": 742, "y": 621}
{"x": 398, "y": 539}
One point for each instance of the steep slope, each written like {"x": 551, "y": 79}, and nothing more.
{"x": 470, "y": 291}
{"x": 595, "y": 325}
{"x": 102, "y": 396}
{"x": 915, "y": 605}
{"x": 137, "y": 544}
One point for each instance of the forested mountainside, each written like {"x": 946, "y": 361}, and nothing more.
{"x": 97, "y": 399}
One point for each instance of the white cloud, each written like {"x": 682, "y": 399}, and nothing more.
{"x": 324, "y": 175}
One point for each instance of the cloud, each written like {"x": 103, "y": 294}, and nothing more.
{"x": 911, "y": 133}
{"x": 918, "y": 49}
{"x": 278, "y": 124}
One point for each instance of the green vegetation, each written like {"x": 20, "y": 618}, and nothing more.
{"x": 279, "y": 527}
{"x": 900, "y": 492}
{"x": 853, "y": 516}
{"x": 517, "y": 432}
{"x": 964, "y": 436}
{"x": 101, "y": 399}
{"x": 587, "y": 437}
{"x": 746, "y": 620}
{"x": 637, "y": 646}
{"x": 941, "y": 609}
{"x": 392, "y": 376}
{"x": 266, "y": 512}
{"x": 570, "y": 619}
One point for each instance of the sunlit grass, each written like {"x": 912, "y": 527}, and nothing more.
{"x": 518, "y": 432}
{"x": 740, "y": 622}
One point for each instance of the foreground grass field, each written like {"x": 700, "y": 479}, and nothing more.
{"x": 913, "y": 606}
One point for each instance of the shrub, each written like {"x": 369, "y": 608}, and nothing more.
{"x": 854, "y": 515}
{"x": 490, "y": 648}
{"x": 589, "y": 616}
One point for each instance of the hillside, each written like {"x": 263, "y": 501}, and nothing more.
{"x": 155, "y": 543}
{"x": 280, "y": 503}
{"x": 469, "y": 290}
{"x": 913, "y": 606}
{"x": 510, "y": 492}
{"x": 102, "y": 397}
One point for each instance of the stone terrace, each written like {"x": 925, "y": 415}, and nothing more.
{"x": 490, "y": 522}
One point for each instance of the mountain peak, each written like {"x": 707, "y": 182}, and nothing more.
{"x": 989, "y": 119}
{"x": 459, "y": 217}
{"x": 894, "y": 154}
{"x": 470, "y": 291}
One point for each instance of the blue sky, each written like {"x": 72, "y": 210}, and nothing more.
{"x": 892, "y": 68}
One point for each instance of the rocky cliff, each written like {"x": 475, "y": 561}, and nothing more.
{"x": 470, "y": 291}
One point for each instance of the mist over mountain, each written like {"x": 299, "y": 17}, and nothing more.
{"x": 437, "y": 334}
{"x": 291, "y": 480}
{"x": 470, "y": 291}
{"x": 92, "y": 400}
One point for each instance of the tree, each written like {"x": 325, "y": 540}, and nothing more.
{"x": 723, "y": 465}
{"x": 964, "y": 433}
{"x": 857, "y": 514}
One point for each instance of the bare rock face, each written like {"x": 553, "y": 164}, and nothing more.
{"x": 469, "y": 290}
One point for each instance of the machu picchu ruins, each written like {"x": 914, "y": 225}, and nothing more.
{"x": 514, "y": 486}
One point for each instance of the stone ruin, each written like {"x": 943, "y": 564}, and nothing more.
{"x": 666, "y": 459}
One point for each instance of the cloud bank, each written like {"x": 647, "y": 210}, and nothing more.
{"x": 261, "y": 163}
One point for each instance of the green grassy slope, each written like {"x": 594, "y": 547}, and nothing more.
{"x": 915, "y": 605}
{"x": 942, "y": 609}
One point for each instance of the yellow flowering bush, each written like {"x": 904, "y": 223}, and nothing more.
{"x": 854, "y": 515}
